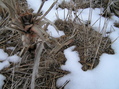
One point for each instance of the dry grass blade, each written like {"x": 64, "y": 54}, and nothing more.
{"x": 49, "y": 9}
{"x": 62, "y": 87}
{"x": 36, "y": 63}
{"x": 39, "y": 32}
{"x": 51, "y": 23}
{"x": 10, "y": 8}
{"x": 61, "y": 45}
{"x": 96, "y": 53}
{"x": 2, "y": 4}
{"x": 2, "y": 23}
{"x": 39, "y": 9}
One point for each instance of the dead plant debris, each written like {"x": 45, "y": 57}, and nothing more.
{"x": 116, "y": 24}
{"x": 89, "y": 44}
{"x": 18, "y": 31}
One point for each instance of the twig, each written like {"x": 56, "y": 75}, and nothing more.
{"x": 3, "y": 22}
{"x": 64, "y": 84}
{"x": 22, "y": 51}
{"x": 97, "y": 50}
{"x": 51, "y": 23}
{"x": 48, "y": 10}
{"x": 58, "y": 47}
{"x": 39, "y": 50}
{"x": 1, "y": 42}
{"x": 39, "y": 9}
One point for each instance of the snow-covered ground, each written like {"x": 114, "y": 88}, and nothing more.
{"x": 104, "y": 76}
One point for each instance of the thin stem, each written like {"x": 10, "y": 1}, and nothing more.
{"x": 39, "y": 9}
{"x": 48, "y": 10}
{"x": 39, "y": 50}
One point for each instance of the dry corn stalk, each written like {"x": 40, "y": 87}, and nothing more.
{"x": 26, "y": 22}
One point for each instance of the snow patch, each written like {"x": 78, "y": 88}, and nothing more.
{"x": 98, "y": 22}
{"x": 14, "y": 59}
{"x": 60, "y": 1}
{"x": 54, "y": 33}
{"x": 73, "y": 58}
{"x": 3, "y": 55}
{"x": 104, "y": 76}
{"x": 114, "y": 36}
{"x": 4, "y": 64}
{"x": 34, "y": 4}
{"x": 2, "y": 78}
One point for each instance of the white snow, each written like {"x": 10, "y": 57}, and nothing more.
{"x": 34, "y": 4}
{"x": 104, "y": 76}
{"x": 2, "y": 78}
{"x": 60, "y": 1}
{"x": 3, "y": 55}
{"x": 14, "y": 59}
{"x": 4, "y": 64}
{"x": 47, "y": 5}
{"x": 56, "y": 34}
{"x": 98, "y": 22}
{"x": 73, "y": 58}
{"x": 10, "y": 48}
{"x": 114, "y": 36}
